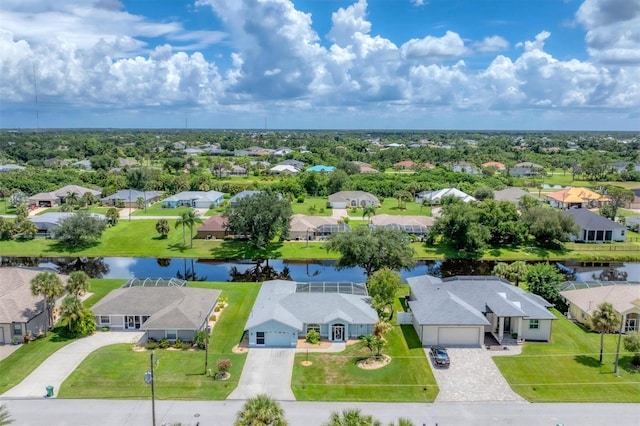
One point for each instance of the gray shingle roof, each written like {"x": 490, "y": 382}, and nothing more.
{"x": 586, "y": 219}
{"x": 17, "y": 303}
{"x": 133, "y": 195}
{"x": 464, "y": 300}
{"x": 278, "y": 301}
{"x": 182, "y": 308}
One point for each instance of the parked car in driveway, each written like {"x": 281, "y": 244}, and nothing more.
{"x": 439, "y": 356}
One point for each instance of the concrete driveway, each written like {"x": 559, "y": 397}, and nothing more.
{"x": 268, "y": 371}
{"x": 55, "y": 369}
{"x": 471, "y": 377}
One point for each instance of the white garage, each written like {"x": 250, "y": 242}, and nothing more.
{"x": 278, "y": 339}
{"x": 459, "y": 336}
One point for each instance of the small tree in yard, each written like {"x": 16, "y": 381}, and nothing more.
{"x": 112, "y": 215}
{"x": 79, "y": 229}
{"x": 48, "y": 285}
{"x": 381, "y": 328}
{"x": 312, "y": 337}
{"x": 605, "y": 319}
{"x": 544, "y": 280}
{"x": 632, "y": 344}
{"x": 382, "y": 287}
{"x": 163, "y": 228}
{"x": 223, "y": 366}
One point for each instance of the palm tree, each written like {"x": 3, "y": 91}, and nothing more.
{"x": 368, "y": 211}
{"x": 112, "y": 215}
{"x": 188, "y": 219}
{"x": 72, "y": 198}
{"x": 163, "y": 228}
{"x": 351, "y": 417}
{"x": 28, "y": 229}
{"x": 261, "y": 410}
{"x": 501, "y": 270}
{"x": 367, "y": 341}
{"x": 48, "y": 285}
{"x": 140, "y": 202}
{"x": 403, "y": 422}
{"x": 517, "y": 271}
{"x": 605, "y": 319}
{"x": 78, "y": 283}
{"x": 71, "y": 310}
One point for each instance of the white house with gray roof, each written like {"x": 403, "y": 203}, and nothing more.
{"x": 285, "y": 311}
{"x": 195, "y": 199}
{"x": 344, "y": 199}
{"x": 169, "y": 312}
{"x": 460, "y": 310}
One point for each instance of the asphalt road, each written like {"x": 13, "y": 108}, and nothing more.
{"x": 35, "y": 412}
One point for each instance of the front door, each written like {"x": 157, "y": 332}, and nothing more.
{"x": 132, "y": 321}
{"x": 337, "y": 332}
{"x": 632, "y": 325}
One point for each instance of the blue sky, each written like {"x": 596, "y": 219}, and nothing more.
{"x": 321, "y": 64}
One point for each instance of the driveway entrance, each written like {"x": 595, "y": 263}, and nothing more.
{"x": 471, "y": 377}
{"x": 266, "y": 371}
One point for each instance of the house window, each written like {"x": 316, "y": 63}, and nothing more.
{"x": 105, "y": 319}
{"x": 534, "y": 324}
{"x": 315, "y": 327}
{"x": 17, "y": 329}
{"x": 172, "y": 334}
{"x": 260, "y": 338}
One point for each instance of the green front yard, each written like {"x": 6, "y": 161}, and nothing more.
{"x": 567, "y": 369}
{"x": 312, "y": 206}
{"x": 336, "y": 377}
{"x": 93, "y": 209}
{"x": 117, "y": 371}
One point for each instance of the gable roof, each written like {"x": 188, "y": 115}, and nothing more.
{"x": 402, "y": 220}
{"x": 18, "y": 303}
{"x": 182, "y": 308}
{"x": 624, "y": 298}
{"x": 133, "y": 195}
{"x": 586, "y": 219}
{"x": 512, "y": 194}
{"x": 576, "y": 195}
{"x": 498, "y": 165}
{"x": 50, "y": 220}
{"x": 438, "y": 195}
{"x": 464, "y": 300}
{"x": 302, "y": 223}
{"x": 196, "y": 195}
{"x": 352, "y": 195}
{"x": 278, "y": 301}
{"x": 240, "y": 195}
{"x": 217, "y": 222}
{"x": 284, "y": 168}
{"x": 76, "y": 189}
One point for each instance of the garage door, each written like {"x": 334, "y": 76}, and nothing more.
{"x": 1, "y": 335}
{"x": 458, "y": 336}
{"x": 277, "y": 338}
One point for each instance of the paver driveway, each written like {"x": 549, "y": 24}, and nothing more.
{"x": 471, "y": 377}
{"x": 268, "y": 371}
{"x": 55, "y": 369}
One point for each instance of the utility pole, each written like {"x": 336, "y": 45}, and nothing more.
{"x": 150, "y": 380}
{"x": 206, "y": 349}
{"x": 615, "y": 364}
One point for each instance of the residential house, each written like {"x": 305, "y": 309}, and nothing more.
{"x": 240, "y": 195}
{"x": 344, "y": 199}
{"x": 59, "y": 196}
{"x": 595, "y": 228}
{"x": 21, "y": 311}
{"x": 194, "y": 151}
{"x": 235, "y": 170}
{"x": 295, "y": 163}
{"x": 129, "y": 198}
{"x": 512, "y": 194}
{"x": 635, "y": 204}
{"x": 213, "y": 228}
{"x": 10, "y": 168}
{"x": 529, "y": 165}
{"x": 435, "y": 197}
{"x": 413, "y": 225}
{"x": 364, "y": 168}
{"x": 404, "y": 165}
{"x": 321, "y": 168}
{"x": 461, "y": 310}
{"x": 465, "y": 167}
{"x": 281, "y": 152}
{"x": 632, "y": 223}
{"x": 621, "y": 166}
{"x": 284, "y": 170}
{"x": 47, "y": 221}
{"x": 523, "y": 172}
{"x": 303, "y": 227}
{"x": 498, "y": 165}
{"x": 286, "y": 311}
{"x": 83, "y": 164}
{"x": 576, "y": 197}
{"x": 583, "y": 298}
{"x": 169, "y": 311}
{"x": 195, "y": 199}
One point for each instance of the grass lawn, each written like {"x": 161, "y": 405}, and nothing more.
{"x": 157, "y": 210}
{"x": 336, "y": 377}
{"x": 28, "y": 357}
{"x": 316, "y": 204}
{"x": 5, "y": 208}
{"x": 116, "y": 371}
{"x": 92, "y": 209}
{"x": 567, "y": 370}
{"x": 558, "y": 178}
{"x": 390, "y": 206}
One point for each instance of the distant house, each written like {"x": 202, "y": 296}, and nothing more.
{"x": 303, "y": 227}
{"x": 595, "y": 228}
{"x": 59, "y": 196}
{"x": 281, "y": 152}
{"x": 283, "y": 170}
{"x": 285, "y": 311}
{"x": 295, "y": 163}
{"x": 498, "y": 165}
{"x": 194, "y": 151}
{"x": 632, "y": 223}
{"x": 364, "y": 168}
{"x": 48, "y": 221}
{"x": 465, "y": 167}
{"x": 461, "y": 310}
{"x": 83, "y": 164}
{"x": 344, "y": 199}
{"x": 512, "y": 194}
{"x": 195, "y": 199}
{"x": 129, "y": 198}
{"x": 529, "y": 165}
{"x": 234, "y": 170}
{"x": 412, "y": 225}
{"x": 583, "y": 298}
{"x": 10, "y": 168}
{"x": 163, "y": 312}
{"x": 321, "y": 168}
{"x": 404, "y": 165}
{"x": 21, "y": 312}
{"x": 240, "y": 195}
{"x": 569, "y": 198}
{"x": 435, "y": 197}
{"x": 621, "y": 166}
{"x": 523, "y": 172}
{"x": 213, "y": 228}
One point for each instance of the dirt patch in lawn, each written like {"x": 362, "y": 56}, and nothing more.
{"x": 374, "y": 362}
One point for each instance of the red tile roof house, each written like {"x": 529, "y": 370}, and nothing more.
{"x": 20, "y": 310}
{"x": 498, "y": 165}
{"x": 404, "y": 165}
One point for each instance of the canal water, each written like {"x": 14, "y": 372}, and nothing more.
{"x": 314, "y": 271}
